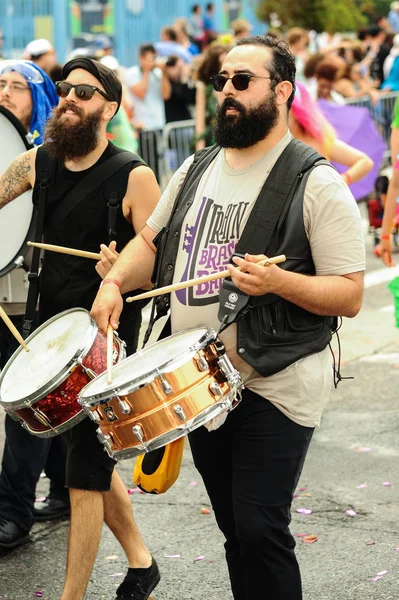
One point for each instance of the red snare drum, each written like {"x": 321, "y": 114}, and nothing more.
{"x": 40, "y": 387}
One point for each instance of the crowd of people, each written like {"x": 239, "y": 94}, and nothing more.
{"x": 254, "y": 104}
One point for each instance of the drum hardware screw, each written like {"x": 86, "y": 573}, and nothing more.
{"x": 125, "y": 407}
{"x": 216, "y": 389}
{"x": 180, "y": 413}
{"x": 202, "y": 363}
{"x": 138, "y": 433}
{"x": 167, "y": 388}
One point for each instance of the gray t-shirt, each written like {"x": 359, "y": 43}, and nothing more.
{"x": 210, "y": 233}
{"x": 149, "y": 110}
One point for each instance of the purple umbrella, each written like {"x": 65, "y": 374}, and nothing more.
{"x": 355, "y": 126}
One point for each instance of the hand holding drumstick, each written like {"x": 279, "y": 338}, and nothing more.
{"x": 13, "y": 329}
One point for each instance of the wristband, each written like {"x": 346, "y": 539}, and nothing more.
{"x": 385, "y": 236}
{"x": 114, "y": 281}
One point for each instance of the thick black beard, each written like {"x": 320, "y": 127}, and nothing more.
{"x": 248, "y": 128}
{"x": 71, "y": 141}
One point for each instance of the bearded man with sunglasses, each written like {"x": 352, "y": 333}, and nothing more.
{"x": 224, "y": 195}
{"x": 75, "y": 144}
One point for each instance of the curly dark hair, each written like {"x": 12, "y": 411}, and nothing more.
{"x": 283, "y": 62}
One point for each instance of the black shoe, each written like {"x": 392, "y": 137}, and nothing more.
{"x": 139, "y": 587}
{"x": 50, "y": 509}
{"x": 11, "y": 535}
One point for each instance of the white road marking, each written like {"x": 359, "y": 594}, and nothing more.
{"x": 380, "y": 276}
{"x": 390, "y": 358}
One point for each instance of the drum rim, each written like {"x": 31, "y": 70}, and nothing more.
{"x": 134, "y": 384}
{"x": 63, "y": 374}
{"x": 22, "y": 251}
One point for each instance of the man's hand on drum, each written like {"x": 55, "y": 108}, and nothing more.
{"x": 107, "y": 306}
{"x": 254, "y": 280}
{"x": 108, "y": 256}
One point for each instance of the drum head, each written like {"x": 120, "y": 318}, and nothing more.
{"x": 144, "y": 366}
{"x": 16, "y": 223}
{"x": 53, "y": 349}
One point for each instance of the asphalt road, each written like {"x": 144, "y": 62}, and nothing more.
{"x": 352, "y": 465}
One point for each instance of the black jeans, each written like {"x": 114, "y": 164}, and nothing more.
{"x": 250, "y": 467}
{"x": 25, "y": 456}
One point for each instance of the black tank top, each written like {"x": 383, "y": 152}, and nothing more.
{"x": 70, "y": 281}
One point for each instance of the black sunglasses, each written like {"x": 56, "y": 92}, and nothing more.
{"x": 83, "y": 91}
{"x": 240, "y": 81}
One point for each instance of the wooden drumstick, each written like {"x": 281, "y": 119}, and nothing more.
{"x": 65, "y": 250}
{"x": 110, "y": 352}
{"x": 191, "y": 282}
{"x": 13, "y": 329}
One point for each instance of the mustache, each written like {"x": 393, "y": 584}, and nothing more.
{"x": 232, "y": 103}
{"x": 60, "y": 110}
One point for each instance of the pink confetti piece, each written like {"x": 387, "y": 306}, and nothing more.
{"x": 361, "y": 486}
{"x": 304, "y": 511}
{"x": 382, "y": 573}
{"x": 310, "y": 539}
{"x": 116, "y": 575}
{"x": 172, "y": 556}
{"x": 39, "y": 594}
{"x": 387, "y": 483}
{"x": 199, "y": 558}
{"x": 303, "y": 489}
{"x": 112, "y": 557}
{"x": 370, "y": 543}
{"x": 396, "y": 548}
{"x": 41, "y": 499}
{"x": 300, "y": 535}
{"x": 205, "y": 511}
{"x": 351, "y": 513}
{"x": 363, "y": 449}
{"x": 377, "y": 578}
{"x": 135, "y": 490}
{"x": 193, "y": 483}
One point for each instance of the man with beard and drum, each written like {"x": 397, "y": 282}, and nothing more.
{"x": 251, "y": 463}
{"x": 75, "y": 138}
{"x": 28, "y": 93}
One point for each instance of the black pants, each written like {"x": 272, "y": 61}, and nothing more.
{"x": 250, "y": 467}
{"x": 25, "y": 456}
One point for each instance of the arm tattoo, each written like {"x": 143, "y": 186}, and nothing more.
{"x": 14, "y": 180}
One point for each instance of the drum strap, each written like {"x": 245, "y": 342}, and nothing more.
{"x": 33, "y": 277}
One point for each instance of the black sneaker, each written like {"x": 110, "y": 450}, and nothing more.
{"x": 139, "y": 587}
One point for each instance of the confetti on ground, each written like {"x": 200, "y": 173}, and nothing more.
{"x": 304, "y": 511}
{"x": 300, "y": 535}
{"x": 39, "y": 594}
{"x": 199, "y": 558}
{"x": 387, "y": 483}
{"x": 135, "y": 490}
{"x": 116, "y": 575}
{"x": 310, "y": 539}
{"x": 351, "y": 513}
{"x": 205, "y": 511}
{"x": 396, "y": 548}
{"x": 112, "y": 557}
{"x": 361, "y": 486}
{"x": 303, "y": 489}
{"x": 379, "y": 576}
{"x": 192, "y": 483}
{"x": 370, "y": 543}
{"x": 41, "y": 499}
{"x": 172, "y": 555}
{"x": 363, "y": 449}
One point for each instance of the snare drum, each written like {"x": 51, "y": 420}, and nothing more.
{"x": 162, "y": 392}
{"x": 40, "y": 387}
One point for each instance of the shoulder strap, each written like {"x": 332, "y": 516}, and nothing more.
{"x": 44, "y": 168}
{"x": 89, "y": 183}
{"x": 276, "y": 196}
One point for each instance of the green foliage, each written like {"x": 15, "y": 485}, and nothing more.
{"x": 321, "y": 15}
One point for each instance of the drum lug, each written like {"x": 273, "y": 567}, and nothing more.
{"x": 138, "y": 433}
{"x": 41, "y": 417}
{"x": 91, "y": 374}
{"x": 125, "y": 407}
{"x": 232, "y": 375}
{"x": 216, "y": 389}
{"x": 180, "y": 413}
{"x": 201, "y": 363}
{"x": 94, "y": 416}
{"x": 167, "y": 388}
{"x": 105, "y": 439}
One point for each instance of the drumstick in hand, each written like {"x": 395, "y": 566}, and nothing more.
{"x": 191, "y": 282}
{"x": 13, "y": 329}
{"x": 110, "y": 352}
{"x": 66, "y": 250}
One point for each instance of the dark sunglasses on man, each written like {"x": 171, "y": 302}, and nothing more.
{"x": 240, "y": 81}
{"x": 83, "y": 91}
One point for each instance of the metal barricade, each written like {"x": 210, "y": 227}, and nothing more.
{"x": 381, "y": 113}
{"x": 178, "y": 145}
{"x": 151, "y": 150}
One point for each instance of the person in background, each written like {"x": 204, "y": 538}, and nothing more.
{"x": 42, "y": 53}
{"x": 298, "y": 41}
{"x": 209, "y": 22}
{"x": 169, "y": 46}
{"x": 241, "y": 28}
{"x": 178, "y": 106}
{"x": 27, "y": 92}
{"x": 196, "y": 26}
{"x": 183, "y": 38}
{"x": 377, "y": 50}
{"x": 393, "y": 17}
{"x": 354, "y": 83}
{"x": 326, "y": 74}
{"x": 206, "y": 100}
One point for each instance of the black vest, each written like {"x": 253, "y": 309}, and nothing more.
{"x": 272, "y": 332}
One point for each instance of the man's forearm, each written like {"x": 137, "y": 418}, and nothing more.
{"x": 14, "y": 180}
{"x": 323, "y": 295}
{"x": 134, "y": 265}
